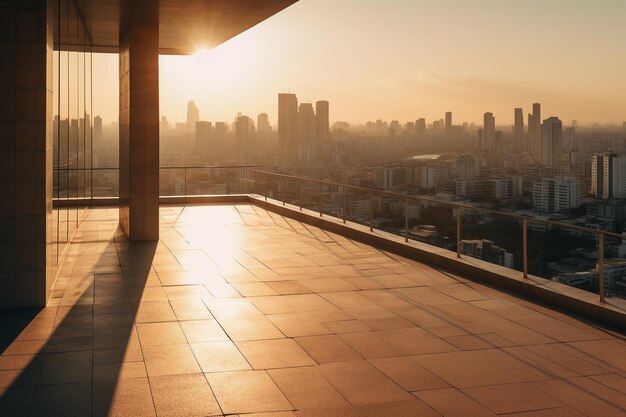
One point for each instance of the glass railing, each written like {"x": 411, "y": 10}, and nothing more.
{"x": 208, "y": 180}
{"x": 103, "y": 183}
{"x": 588, "y": 259}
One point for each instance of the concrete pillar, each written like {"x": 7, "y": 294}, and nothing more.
{"x": 139, "y": 120}
{"x": 26, "y": 42}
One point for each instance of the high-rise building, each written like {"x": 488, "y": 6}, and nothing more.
{"x": 307, "y": 144}
{"x": 534, "y": 127}
{"x": 220, "y": 132}
{"x": 287, "y": 121}
{"x": 488, "y": 142}
{"x": 263, "y": 123}
{"x": 203, "y": 135}
{"x": 389, "y": 176}
{"x": 551, "y": 141}
{"x": 597, "y": 174}
{"x": 608, "y": 175}
{"x": 409, "y": 128}
{"x": 97, "y": 130}
{"x": 243, "y": 130}
{"x": 420, "y": 128}
{"x": 164, "y": 125}
{"x": 555, "y": 194}
{"x": 465, "y": 166}
{"x": 570, "y": 140}
{"x": 193, "y": 115}
{"x": 448, "y": 122}
{"x": 322, "y": 121}
{"x": 518, "y": 130}
{"x": 394, "y": 128}
{"x": 263, "y": 127}
{"x": 617, "y": 177}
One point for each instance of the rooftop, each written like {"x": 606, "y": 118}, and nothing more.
{"x": 238, "y": 310}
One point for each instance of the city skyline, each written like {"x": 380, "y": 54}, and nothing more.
{"x": 566, "y": 57}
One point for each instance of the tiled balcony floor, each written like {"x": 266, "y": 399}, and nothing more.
{"x": 239, "y": 311}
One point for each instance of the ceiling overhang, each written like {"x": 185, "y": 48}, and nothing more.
{"x": 184, "y": 25}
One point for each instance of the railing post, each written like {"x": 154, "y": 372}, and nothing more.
{"x": 601, "y": 266}
{"x": 406, "y": 220}
{"x": 371, "y": 213}
{"x": 321, "y": 201}
{"x": 458, "y": 232}
{"x": 185, "y": 180}
{"x": 300, "y": 192}
{"x": 284, "y": 191}
{"x": 525, "y": 248}
{"x": 343, "y": 191}
{"x": 228, "y": 181}
{"x": 265, "y": 186}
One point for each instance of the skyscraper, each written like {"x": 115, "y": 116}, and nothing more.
{"x": 448, "y": 122}
{"x": 608, "y": 175}
{"x": 534, "y": 126}
{"x": 263, "y": 123}
{"x": 243, "y": 130}
{"x": 263, "y": 128}
{"x": 287, "y": 121}
{"x": 489, "y": 132}
{"x": 193, "y": 115}
{"x": 570, "y": 140}
{"x": 97, "y": 130}
{"x": 551, "y": 141}
{"x": 220, "y": 132}
{"x": 322, "y": 121}
{"x": 616, "y": 177}
{"x": 307, "y": 145}
{"x": 164, "y": 125}
{"x": 203, "y": 135}
{"x": 420, "y": 128}
{"x": 518, "y": 130}
{"x": 597, "y": 173}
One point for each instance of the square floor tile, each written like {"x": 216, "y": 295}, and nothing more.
{"x": 183, "y": 396}
{"x": 247, "y": 392}
{"x": 164, "y": 333}
{"x": 170, "y": 360}
{"x": 306, "y": 388}
{"x": 219, "y": 356}
{"x": 277, "y": 353}
{"x": 361, "y": 383}
{"x": 328, "y": 348}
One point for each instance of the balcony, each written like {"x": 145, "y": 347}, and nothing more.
{"x": 242, "y": 310}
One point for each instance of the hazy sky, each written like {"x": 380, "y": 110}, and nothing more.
{"x": 404, "y": 59}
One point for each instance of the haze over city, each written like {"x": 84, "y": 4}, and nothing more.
{"x": 397, "y": 60}
{"x": 305, "y": 208}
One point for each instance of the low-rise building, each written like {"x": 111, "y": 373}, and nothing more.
{"x": 487, "y": 251}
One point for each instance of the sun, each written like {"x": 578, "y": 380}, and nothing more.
{"x": 202, "y": 54}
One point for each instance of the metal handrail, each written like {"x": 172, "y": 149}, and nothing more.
{"x": 459, "y": 208}
{"x": 164, "y": 168}
{"x": 446, "y": 203}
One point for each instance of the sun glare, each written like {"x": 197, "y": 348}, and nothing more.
{"x": 201, "y": 53}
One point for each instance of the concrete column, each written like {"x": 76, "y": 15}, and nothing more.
{"x": 26, "y": 42}
{"x": 139, "y": 120}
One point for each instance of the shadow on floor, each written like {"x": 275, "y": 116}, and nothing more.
{"x": 13, "y": 323}
{"x": 77, "y": 371}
